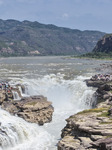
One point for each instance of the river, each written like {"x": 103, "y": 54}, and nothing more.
{"x": 61, "y": 80}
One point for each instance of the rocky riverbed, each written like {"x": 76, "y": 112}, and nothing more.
{"x": 91, "y": 129}
{"x": 34, "y": 109}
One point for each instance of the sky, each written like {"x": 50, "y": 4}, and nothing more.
{"x": 74, "y": 14}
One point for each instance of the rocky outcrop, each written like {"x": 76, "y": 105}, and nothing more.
{"x": 35, "y": 109}
{"x": 2, "y": 96}
{"x": 99, "y": 80}
{"x": 104, "y": 85}
{"x": 96, "y": 83}
{"x": 104, "y": 45}
{"x": 7, "y": 93}
{"x": 90, "y": 129}
{"x": 104, "y": 93}
{"x": 86, "y": 128}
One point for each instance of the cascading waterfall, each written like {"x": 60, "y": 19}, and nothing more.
{"x": 14, "y": 131}
{"x": 16, "y": 95}
{"x": 60, "y": 79}
{"x": 68, "y": 97}
{"x": 62, "y": 92}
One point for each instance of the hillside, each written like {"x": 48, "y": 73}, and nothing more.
{"x": 104, "y": 45}
{"x": 32, "y": 38}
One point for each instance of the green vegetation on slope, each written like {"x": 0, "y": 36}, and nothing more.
{"x": 102, "y": 50}
{"x": 97, "y": 55}
{"x": 32, "y": 38}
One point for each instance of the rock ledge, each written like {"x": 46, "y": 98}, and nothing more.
{"x": 35, "y": 109}
{"x": 91, "y": 129}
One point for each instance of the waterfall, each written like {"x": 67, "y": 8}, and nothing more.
{"x": 68, "y": 97}
{"x": 14, "y": 131}
{"x": 16, "y": 95}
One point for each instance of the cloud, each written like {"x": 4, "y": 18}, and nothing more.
{"x": 65, "y": 15}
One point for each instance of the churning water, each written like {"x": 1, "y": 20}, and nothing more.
{"x": 61, "y": 81}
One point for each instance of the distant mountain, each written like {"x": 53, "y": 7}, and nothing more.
{"x": 33, "y": 38}
{"x": 104, "y": 45}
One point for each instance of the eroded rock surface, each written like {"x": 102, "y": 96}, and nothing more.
{"x": 91, "y": 129}
{"x": 35, "y": 109}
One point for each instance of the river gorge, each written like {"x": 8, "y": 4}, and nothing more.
{"x": 61, "y": 80}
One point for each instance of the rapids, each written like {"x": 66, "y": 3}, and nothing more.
{"x": 61, "y": 81}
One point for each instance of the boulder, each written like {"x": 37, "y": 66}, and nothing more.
{"x": 35, "y": 109}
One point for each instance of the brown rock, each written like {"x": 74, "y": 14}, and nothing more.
{"x": 2, "y": 96}
{"x": 87, "y": 126}
{"x": 35, "y": 109}
{"x": 103, "y": 144}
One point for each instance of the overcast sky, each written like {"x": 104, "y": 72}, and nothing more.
{"x": 75, "y": 14}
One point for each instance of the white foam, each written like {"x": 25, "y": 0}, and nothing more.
{"x": 68, "y": 97}
{"x": 19, "y": 134}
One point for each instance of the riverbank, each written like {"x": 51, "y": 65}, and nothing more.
{"x": 97, "y": 55}
{"x": 91, "y": 129}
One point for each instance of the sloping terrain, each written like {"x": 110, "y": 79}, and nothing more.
{"x": 32, "y": 38}
{"x": 104, "y": 45}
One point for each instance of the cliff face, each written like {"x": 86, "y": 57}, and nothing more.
{"x": 104, "y": 45}
{"x": 90, "y": 129}
{"x": 32, "y": 38}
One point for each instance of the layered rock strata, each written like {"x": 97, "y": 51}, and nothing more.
{"x": 91, "y": 129}
{"x": 35, "y": 109}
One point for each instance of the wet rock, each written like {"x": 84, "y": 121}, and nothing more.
{"x": 35, "y": 109}
{"x": 96, "y": 83}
